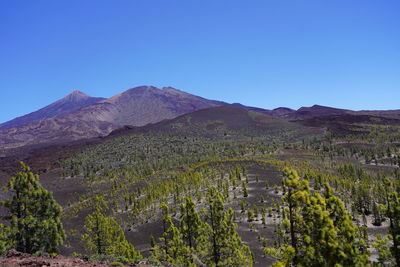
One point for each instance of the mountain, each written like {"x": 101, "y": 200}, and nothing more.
{"x": 352, "y": 123}
{"x": 280, "y": 112}
{"x": 78, "y": 116}
{"x": 147, "y": 104}
{"x": 218, "y": 123}
{"x": 314, "y": 111}
{"x": 137, "y": 106}
{"x": 226, "y": 122}
{"x": 72, "y": 102}
{"x": 300, "y": 114}
{"x": 318, "y": 111}
{"x": 384, "y": 113}
{"x": 255, "y": 109}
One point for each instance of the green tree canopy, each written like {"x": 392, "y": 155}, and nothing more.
{"x": 320, "y": 230}
{"x": 226, "y": 247}
{"x": 33, "y": 215}
{"x": 105, "y": 237}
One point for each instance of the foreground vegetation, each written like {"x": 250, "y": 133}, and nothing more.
{"x": 218, "y": 202}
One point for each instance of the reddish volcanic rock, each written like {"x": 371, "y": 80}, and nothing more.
{"x": 137, "y": 107}
{"x": 72, "y": 102}
{"x": 18, "y": 259}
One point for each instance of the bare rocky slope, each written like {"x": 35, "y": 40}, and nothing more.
{"x": 137, "y": 106}
{"x": 72, "y": 102}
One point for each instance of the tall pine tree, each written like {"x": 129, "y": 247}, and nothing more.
{"x": 192, "y": 226}
{"x": 226, "y": 247}
{"x": 392, "y": 210}
{"x": 33, "y": 215}
{"x": 105, "y": 237}
{"x": 319, "y": 229}
{"x": 176, "y": 251}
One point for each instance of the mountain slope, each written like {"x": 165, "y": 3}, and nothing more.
{"x": 226, "y": 122}
{"x": 72, "y": 102}
{"x": 318, "y": 111}
{"x": 300, "y": 114}
{"x": 137, "y": 106}
{"x": 314, "y": 111}
{"x": 147, "y": 104}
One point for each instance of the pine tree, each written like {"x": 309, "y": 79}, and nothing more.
{"x": 174, "y": 250}
{"x": 295, "y": 192}
{"x": 226, "y": 248}
{"x": 178, "y": 253}
{"x": 352, "y": 249}
{"x": 5, "y": 243}
{"x": 152, "y": 241}
{"x": 320, "y": 230}
{"x": 244, "y": 187}
{"x": 250, "y": 215}
{"x": 191, "y": 225}
{"x": 384, "y": 254}
{"x": 105, "y": 237}
{"x": 165, "y": 211}
{"x": 34, "y": 215}
{"x": 234, "y": 253}
{"x": 376, "y": 212}
{"x": 392, "y": 211}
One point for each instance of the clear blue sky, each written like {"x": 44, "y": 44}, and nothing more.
{"x": 263, "y": 53}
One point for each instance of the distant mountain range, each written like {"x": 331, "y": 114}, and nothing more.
{"x": 74, "y": 101}
{"x": 137, "y": 106}
{"x": 79, "y": 116}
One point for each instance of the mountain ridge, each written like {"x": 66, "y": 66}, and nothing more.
{"x": 224, "y": 122}
{"x": 136, "y": 106}
{"x": 69, "y": 103}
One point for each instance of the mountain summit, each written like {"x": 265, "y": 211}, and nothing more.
{"x": 148, "y": 104}
{"x": 71, "y": 102}
{"x": 76, "y": 95}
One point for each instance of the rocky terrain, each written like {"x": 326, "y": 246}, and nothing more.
{"x": 18, "y": 259}
{"x": 72, "y": 102}
{"x": 137, "y": 106}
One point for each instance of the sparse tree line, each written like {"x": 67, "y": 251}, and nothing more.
{"x": 373, "y": 145}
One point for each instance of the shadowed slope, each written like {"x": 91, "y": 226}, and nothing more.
{"x": 225, "y": 122}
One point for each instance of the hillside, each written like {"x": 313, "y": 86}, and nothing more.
{"x": 238, "y": 151}
{"x": 137, "y": 106}
{"x": 355, "y": 123}
{"x": 147, "y": 104}
{"x": 318, "y": 111}
{"x": 72, "y": 102}
{"x": 79, "y": 117}
{"x": 226, "y": 122}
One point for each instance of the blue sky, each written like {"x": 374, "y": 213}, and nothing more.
{"x": 262, "y": 53}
